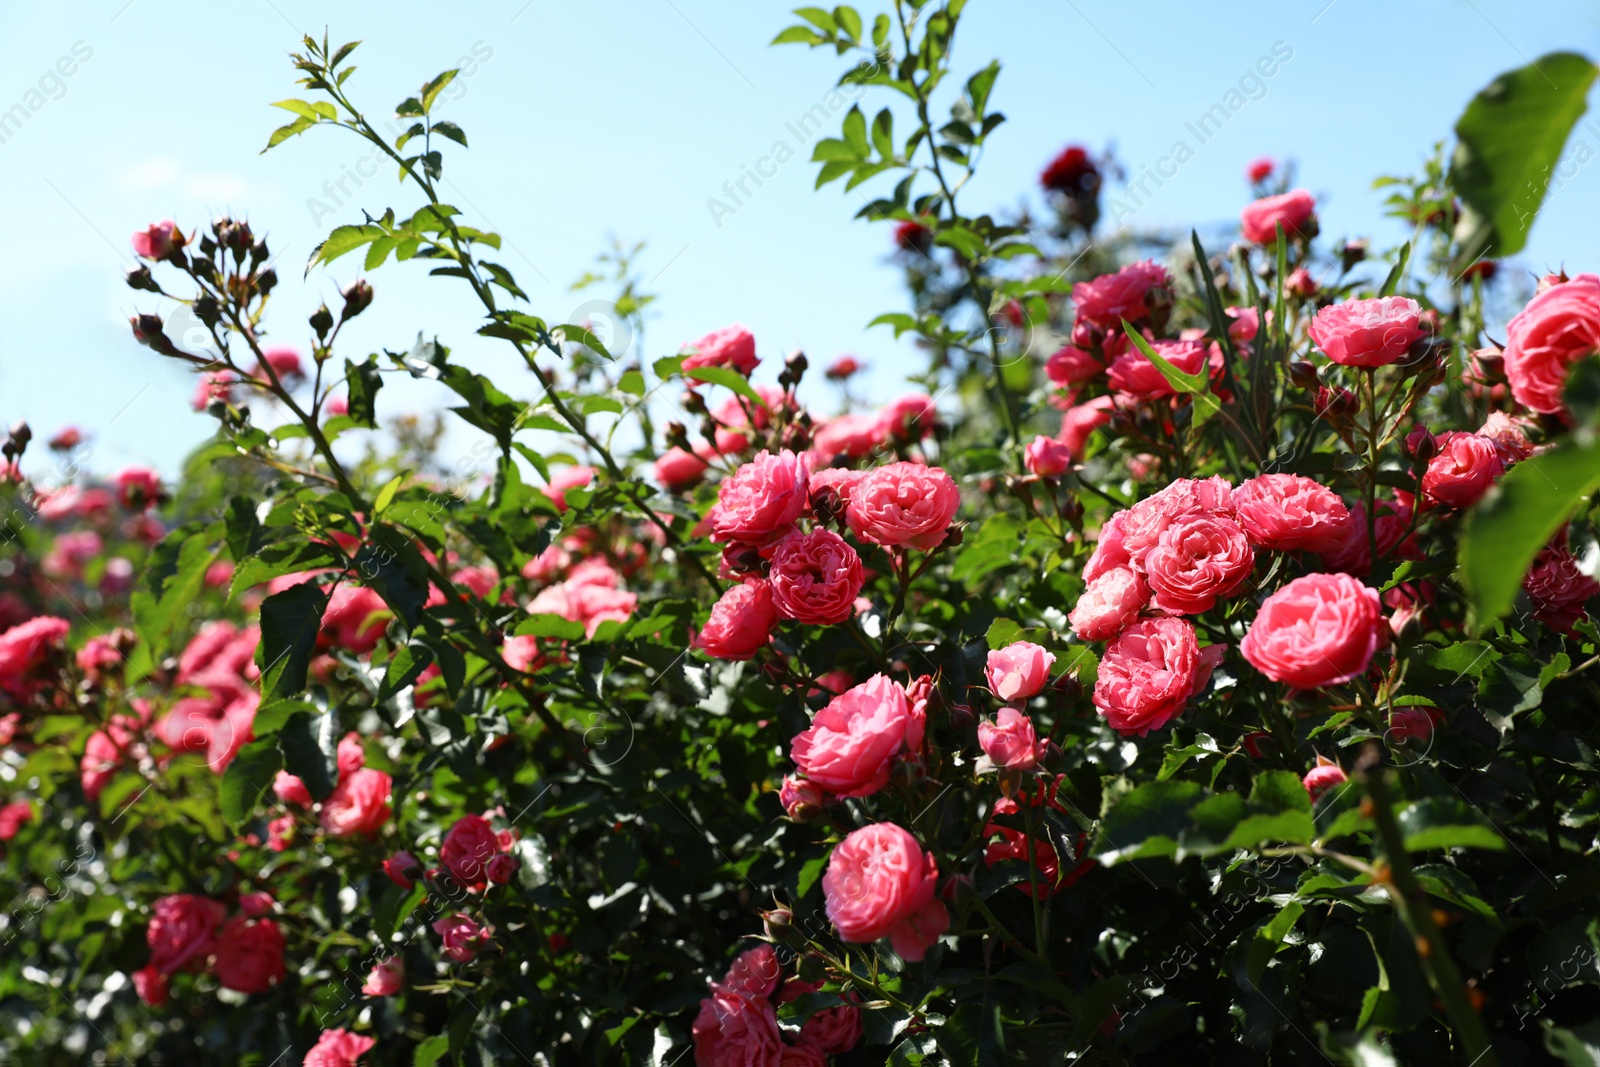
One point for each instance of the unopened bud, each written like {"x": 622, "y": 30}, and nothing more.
{"x": 1303, "y": 374}
{"x": 678, "y": 436}
{"x": 1352, "y": 253}
{"x": 693, "y": 402}
{"x": 140, "y": 278}
{"x": 206, "y": 309}
{"x": 777, "y": 923}
{"x": 953, "y": 537}
{"x": 147, "y": 330}
{"x": 357, "y": 296}
{"x": 1069, "y": 687}
{"x": 909, "y": 771}
{"x": 1421, "y": 445}
{"x": 957, "y": 889}
{"x": 961, "y": 717}
{"x": 266, "y": 281}
{"x": 322, "y": 320}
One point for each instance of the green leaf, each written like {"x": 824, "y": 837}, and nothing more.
{"x": 727, "y": 378}
{"x": 283, "y": 133}
{"x": 979, "y": 85}
{"x": 391, "y": 565}
{"x": 855, "y": 133}
{"x": 452, "y": 131}
{"x": 174, "y": 574}
{"x": 1182, "y": 381}
{"x": 1392, "y": 282}
{"x": 1508, "y": 141}
{"x": 1445, "y": 822}
{"x": 799, "y": 35}
{"x": 289, "y": 624}
{"x": 362, "y": 382}
{"x": 249, "y": 776}
{"x": 883, "y": 134}
{"x": 310, "y": 744}
{"x": 550, "y": 626}
{"x": 849, "y": 22}
{"x": 431, "y": 1051}
{"x": 1507, "y": 529}
{"x": 431, "y": 91}
{"x": 342, "y": 240}
{"x": 407, "y": 663}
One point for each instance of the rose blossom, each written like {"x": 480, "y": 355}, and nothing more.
{"x": 732, "y": 346}
{"x": 903, "y": 504}
{"x": 1010, "y": 742}
{"x": 760, "y": 501}
{"x": 1080, "y": 421}
{"x": 1508, "y": 436}
{"x": 25, "y": 649}
{"x": 1110, "y": 298}
{"x": 13, "y": 817}
{"x": 399, "y": 868}
{"x": 1143, "y": 524}
{"x": 1559, "y": 326}
{"x": 359, "y": 805}
{"x": 679, "y": 469}
{"x": 853, "y": 436}
{"x": 1464, "y": 469}
{"x": 283, "y": 360}
{"x": 802, "y": 799}
{"x": 1295, "y": 209}
{"x": 741, "y": 622}
{"x": 139, "y": 488}
{"x": 1354, "y": 554}
{"x": 851, "y": 743}
{"x": 1413, "y": 723}
{"x": 1245, "y": 325}
{"x": 182, "y": 931}
{"x": 736, "y": 1026}
{"x": 1018, "y": 671}
{"x": 1112, "y": 601}
{"x": 461, "y": 937}
{"x": 467, "y": 849}
{"x": 1259, "y": 170}
{"x": 833, "y": 1031}
{"x": 151, "y": 985}
{"x": 816, "y": 577}
{"x": 1071, "y": 365}
{"x": 157, "y": 240}
{"x": 562, "y": 480}
{"x": 1048, "y": 457}
{"x": 880, "y": 883}
{"x": 1149, "y": 673}
{"x": 388, "y": 977}
{"x": 1368, "y": 333}
{"x": 1323, "y": 777}
{"x": 338, "y": 1048}
{"x": 250, "y": 955}
{"x": 1199, "y": 559}
{"x": 1319, "y": 630}
{"x": 1290, "y": 513}
{"x": 908, "y": 418}
{"x": 1557, "y": 589}
{"x": 1134, "y": 374}
{"x": 1071, "y": 171}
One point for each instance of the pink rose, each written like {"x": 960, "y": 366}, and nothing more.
{"x": 467, "y": 849}
{"x": 388, "y": 977}
{"x": 157, "y": 240}
{"x": 354, "y": 620}
{"x": 1018, "y": 671}
{"x": 1558, "y": 590}
{"x": 1245, "y": 324}
{"x": 1259, "y": 170}
{"x": 1414, "y": 723}
{"x": 1048, "y": 457}
{"x": 462, "y": 937}
{"x": 400, "y": 868}
{"x": 26, "y": 649}
{"x": 182, "y": 931}
{"x": 1199, "y": 559}
{"x": 350, "y": 755}
{"x": 1110, "y": 603}
{"x": 880, "y": 883}
{"x": 741, "y": 622}
{"x": 1290, "y": 513}
{"x": 753, "y": 976}
{"x": 1150, "y": 672}
{"x": 1509, "y": 437}
{"x": 1141, "y": 526}
{"x": 284, "y": 361}
{"x": 677, "y": 469}
{"x": 1560, "y": 326}
{"x": 816, "y": 578}
{"x": 1010, "y": 742}
{"x": 1296, "y": 210}
{"x": 903, "y": 504}
{"x": 359, "y": 804}
{"x": 1464, "y": 469}
{"x": 1080, "y": 421}
{"x": 1323, "y": 777}
{"x": 1135, "y": 375}
{"x": 338, "y": 1048}
{"x": 1368, "y": 333}
{"x": 139, "y": 488}
{"x": 13, "y": 817}
{"x": 1319, "y": 630}
{"x": 833, "y": 1031}
{"x": 732, "y": 346}
{"x": 852, "y": 742}
{"x": 565, "y": 479}
{"x": 802, "y": 1056}
{"x": 250, "y": 955}
{"x": 583, "y": 598}
{"x": 847, "y": 366}
{"x": 908, "y": 418}
{"x": 151, "y": 985}
{"x": 853, "y": 436}
{"x": 1071, "y": 365}
{"x": 1110, "y": 298}
{"x": 760, "y": 501}
{"x": 256, "y": 903}
{"x": 736, "y": 1031}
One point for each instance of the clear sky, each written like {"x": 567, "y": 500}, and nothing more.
{"x": 594, "y": 119}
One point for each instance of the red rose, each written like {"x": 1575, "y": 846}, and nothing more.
{"x": 461, "y": 937}
{"x": 1149, "y": 672}
{"x": 1464, "y": 469}
{"x": 25, "y": 649}
{"x": 1198, "y": 559}
{"x": 741, "y": 622}
{"x": 467, "y": 849}
{"x": 903, "y": 504}
{"x": 1319, "y": 630}
{"x": 1072, "y": 171}
{"x": 182, "y": 931}
{"x": 338, "y": 1048}
{"x": 815, "y": 578}
{"x": 358, "y": 805}
{"x": 1324, "y": 776}
{"x": 250, "y": 955}
{"x": 1048, "y": 457}
{"x": 1558, "y": 590}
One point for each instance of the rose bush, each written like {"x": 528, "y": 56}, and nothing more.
{"x": 1210, "y": 679}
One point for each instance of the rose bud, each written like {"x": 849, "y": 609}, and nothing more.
{"x": 693, "y": 402}
{"x": 1352, "y": 253}
{"x": 266, "y": 280}
{"x": 956, "y": 889}
{"x": 961, "y": 717}
{"x": 148, "y": 330}
{"x": 1303, "y": 374}
{"x": 778, "y": 922}
{"x": 678, "y": 436}
{"x": 1300, "y": 283}
{"x": 357, "y": 296}
{"x": 321, "y": 320}
{"x": 140, "y": 278}
{"x": 1421, "y": 445}
{"x": 1336, "y": 405}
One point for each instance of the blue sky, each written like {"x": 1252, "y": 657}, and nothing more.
{"x": 600, "y": 119}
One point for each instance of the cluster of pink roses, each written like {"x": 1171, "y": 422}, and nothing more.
{"x": 188, "y": 932}
{"x": 358, "y": 805}
{"x": 811, "y": 576}
{"x": 738, "y": 1024}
